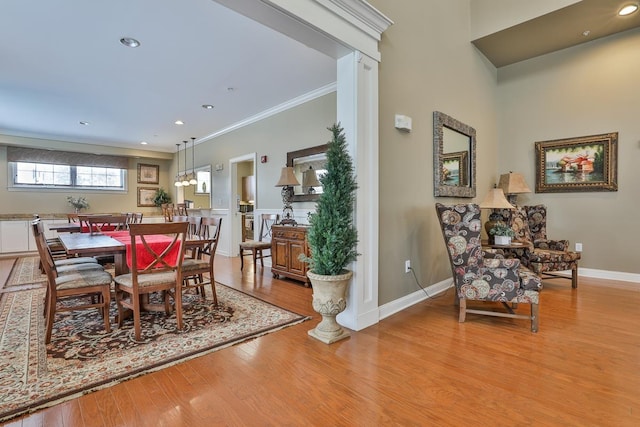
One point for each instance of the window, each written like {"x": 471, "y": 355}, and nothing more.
{"x": 52, "y": 175}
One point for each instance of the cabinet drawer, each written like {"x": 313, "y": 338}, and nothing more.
{"x": 289, "y": 234}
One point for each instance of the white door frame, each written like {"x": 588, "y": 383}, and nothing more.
{"x": 234, "y": 190}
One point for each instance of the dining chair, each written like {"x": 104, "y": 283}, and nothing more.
{"x": 194, "y": 269}
{"x": 258, "y": 247}
{"x": 181, "y": 209}
{"x": 194, "y": 225}
{"x": 167, "y": 211}
{"x": 157, "y": 253}
{"x": 66, "y": 265}
{"x": 94, "y": 284}
{"x": 99, "y": 223}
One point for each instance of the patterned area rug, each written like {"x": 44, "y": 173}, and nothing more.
{"x": 82, "y": 358}
{"x": 25, "y": 273}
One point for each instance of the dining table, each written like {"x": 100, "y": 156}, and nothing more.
{"x": 113, "y": 243}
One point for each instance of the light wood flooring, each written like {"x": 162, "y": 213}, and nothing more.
{"x": 419, "y": 367}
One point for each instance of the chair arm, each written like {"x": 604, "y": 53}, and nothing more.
{"x": 556, "y": 245}
{"x": 493, "y": 253}
{"x": 493, "y": 263}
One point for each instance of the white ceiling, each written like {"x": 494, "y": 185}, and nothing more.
{"x": 62, "y": 63}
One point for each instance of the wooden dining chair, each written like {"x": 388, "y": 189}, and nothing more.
{"x": 99, "y": 223}
{"x": 93, "y": 283}
{"x": 157, "y": 253}
{"x": 181, "y": 209}
{"x": 258, "y": 247}
{"x": 167, "y": 211}
{"x": 194, "y": 269}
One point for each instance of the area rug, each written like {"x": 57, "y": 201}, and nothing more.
{"x": 82, "y": 358}
{"x": 25, "y": 273}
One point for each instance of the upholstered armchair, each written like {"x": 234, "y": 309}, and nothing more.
{"x": 481, "y": 277}
{"x": 543, "y": 256}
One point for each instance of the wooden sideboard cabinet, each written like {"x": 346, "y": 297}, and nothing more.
{"x": 287, "y": 243}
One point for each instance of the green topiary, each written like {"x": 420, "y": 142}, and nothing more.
{"x": 332, "y": 236}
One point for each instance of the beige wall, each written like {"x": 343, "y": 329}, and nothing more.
{"x": 300, "y": 127}
{"x": 428, "y": 64}
{"x": 55, "y": 201}
{"x": 586, "y": 90}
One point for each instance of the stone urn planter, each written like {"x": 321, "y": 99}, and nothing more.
{"x": 329, "y": 300}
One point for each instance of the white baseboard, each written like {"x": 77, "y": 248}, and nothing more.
{"x": 407, "y": 301}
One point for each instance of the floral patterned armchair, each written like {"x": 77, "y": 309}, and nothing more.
{"x": 478, "y": 276}
{"x": 541, "y": 255}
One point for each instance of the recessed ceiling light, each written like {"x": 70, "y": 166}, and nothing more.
{"x": 129, "y": 42}
{"x": 179, "y": 122}
{"x": 143, "y": 143}
{"x": 83, "y": 123}
{"x": 628, "y": 9}
{"x": 207, "y": 106}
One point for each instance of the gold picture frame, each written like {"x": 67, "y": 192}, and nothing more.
{"x": 148, "y": 174}
{"x": 586, "y": 163}
{"x": 455, "y": 168}
{"x": 146, "y": 196}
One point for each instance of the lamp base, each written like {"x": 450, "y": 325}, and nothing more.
{"x": 288, "y": 221}
{"x": 494, "y": 218}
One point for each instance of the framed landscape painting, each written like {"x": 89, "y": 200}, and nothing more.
{"x": 455, "y": 168}
{"x": 586, "y": 163}
{"x": 146, "y": 196}
{"x": 148, "y": 174}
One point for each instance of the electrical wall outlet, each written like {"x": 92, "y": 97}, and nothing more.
{"x": 407, "y": 266}
{"x": 578, "y": 247}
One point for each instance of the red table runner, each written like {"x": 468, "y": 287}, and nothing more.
{"x": 157, "y": 243}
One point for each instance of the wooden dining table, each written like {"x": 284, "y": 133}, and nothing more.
{"x": 87, "y": 244}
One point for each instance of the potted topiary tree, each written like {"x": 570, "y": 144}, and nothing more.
{"x": 161, "y": 197}
{"x": 332, "y": 239}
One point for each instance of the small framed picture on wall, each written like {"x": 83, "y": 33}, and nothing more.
{"x": 148, "y": 174}
{"x": 146, "y": 196}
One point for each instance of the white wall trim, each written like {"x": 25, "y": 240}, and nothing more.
{"x": 407, "y": 301}
{"x": 608, "y": 275}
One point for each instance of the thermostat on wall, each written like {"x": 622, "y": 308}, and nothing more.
{"x": 403, "y": 123}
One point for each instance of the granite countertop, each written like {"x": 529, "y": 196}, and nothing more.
{"x": 49, "y": 216}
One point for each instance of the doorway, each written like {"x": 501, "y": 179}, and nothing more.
{"x": 243, "y": 200}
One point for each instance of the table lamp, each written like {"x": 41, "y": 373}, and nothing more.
{"x": 512, "y": 184}
{"x": 310, "y": 180}
{"x": 287, "y": 181}
{"x": 494, "y": 200}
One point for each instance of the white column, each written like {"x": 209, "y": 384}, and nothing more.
{"x": 357, "y": 112}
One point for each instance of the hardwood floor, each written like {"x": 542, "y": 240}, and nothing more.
{"x": 419, "y": 367}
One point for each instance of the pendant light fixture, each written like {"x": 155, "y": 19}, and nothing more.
{"x": 193, "y": 180}
{"x": 185, "y": 178}
{"x": 178, "y": 182}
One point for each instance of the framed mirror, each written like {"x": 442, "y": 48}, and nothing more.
{"x": 308, "y": 166}
{"x": 200, "y": 193}
{"x": 454, "y": 157}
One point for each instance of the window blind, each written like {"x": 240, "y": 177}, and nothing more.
{"x": 36, "y": 155}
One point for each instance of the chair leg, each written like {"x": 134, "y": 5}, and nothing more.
{"x": 574, "y": 276}
{"x": 463, "y": 310}
{"x": 51, "y": 314}
{"x": 534, "y": 318}
{"x": 255, "y": 260}
{"x": 106, "y": 301}
{"x": 178, "y": 303}
{"x": 137, "y": 327}
{"x": 241, "y": 259}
